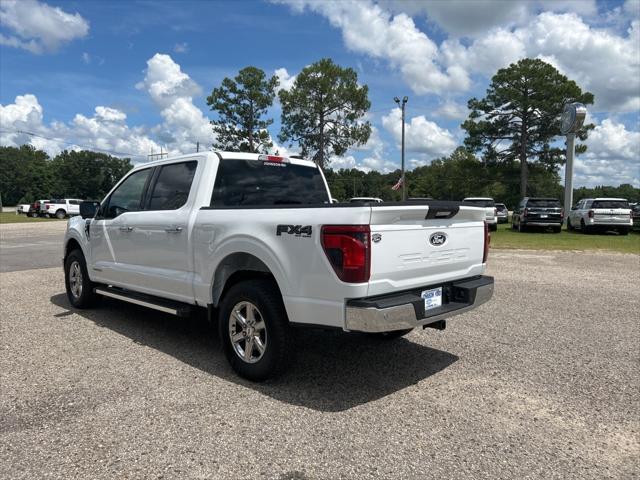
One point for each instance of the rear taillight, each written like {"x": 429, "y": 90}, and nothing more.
{"x": 495, "y": 212}
{"x": 590, "y": 213}
{"x": 487, "y": 241}
{"x": 46, "y": 206}
{"x": 348, "y": 248}
{"x": 525, "y": 213}
{"x": 562, "y": 213}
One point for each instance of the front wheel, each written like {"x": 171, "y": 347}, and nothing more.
{"x": 583, "y": 227}
{"x": 254, "y": 330}
{"x": 79, "y": 287}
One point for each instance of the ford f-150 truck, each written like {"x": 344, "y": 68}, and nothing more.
{"x": 256, "y": 240}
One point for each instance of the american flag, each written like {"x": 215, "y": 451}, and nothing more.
{"x": 397, "y": 185}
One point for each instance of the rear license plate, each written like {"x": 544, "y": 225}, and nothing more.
{"x": 543, "y": 216}
{"x": 432, "y": 298}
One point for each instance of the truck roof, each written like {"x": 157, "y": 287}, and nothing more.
{"x": 227, "y": 156}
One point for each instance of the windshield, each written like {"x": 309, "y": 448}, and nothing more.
{"x": 257, "y": 183}
{"x": 480, "y": 203}
{"x": 543, "y": 203}
{"x": 610, "y": 204}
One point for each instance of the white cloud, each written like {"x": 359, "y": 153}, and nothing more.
{"x": 452, "y": 110}
{"x": 86, "y": 58}
{"x": 38, "y": 27}
{"x": 172, "y": 90}
{"x": 421, "y": 135}
{"x": 611, "y": 158}
{"x": 181, "y": 47}
{"x": 106, "y": 130}
{"x": 286, "y": 80}
{"x": 367, "y": 28}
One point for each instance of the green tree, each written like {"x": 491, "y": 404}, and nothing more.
{"x": 322, "y": 112}
{"x": 519, "y": 117}
{"x": 240, "y": 104}
{"x": 86, "y": 174}
{"x": 23, "y": 171}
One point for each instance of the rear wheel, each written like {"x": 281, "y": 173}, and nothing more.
{"x": 583, "y": 227}
{"x": 79, "y": 287}
{"x": 254, "y": 330}
{"x": 521, "y": 228}
{"x": 557, "y": 229}
{"x": 623, "y": 231}
{"x": 569, "y": 226}
{"x": 61, "y": 214}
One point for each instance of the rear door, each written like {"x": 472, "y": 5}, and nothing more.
{"x": 417, "y": 246}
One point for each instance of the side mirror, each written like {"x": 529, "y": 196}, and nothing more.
{"x": 89, "y": 209}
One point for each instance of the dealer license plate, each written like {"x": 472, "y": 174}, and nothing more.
{"x": 432, "y": 298}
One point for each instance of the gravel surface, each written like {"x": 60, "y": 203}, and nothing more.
{"x": 542, "y": 382}
{"x": 24, "y": 246}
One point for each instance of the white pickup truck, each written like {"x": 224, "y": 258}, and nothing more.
{"x": 256, "y": 240}
{"x": 62, "y": 207}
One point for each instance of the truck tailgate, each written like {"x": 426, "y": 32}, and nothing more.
{"x": 411, "y": 248}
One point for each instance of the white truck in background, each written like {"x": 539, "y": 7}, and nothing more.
{"x": 256, "y": 240}
{"x": 62, "y": 207}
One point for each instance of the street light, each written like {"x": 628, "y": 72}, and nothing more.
{"x": 401, "y": 105}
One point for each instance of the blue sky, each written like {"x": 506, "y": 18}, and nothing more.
{"x": 129, "y": 77}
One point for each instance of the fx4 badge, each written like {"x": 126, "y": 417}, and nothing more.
{"x": 296, "y": 230}
{"x": 437, "y": 239}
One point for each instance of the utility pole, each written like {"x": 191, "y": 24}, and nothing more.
{"x": 404, "y": 184}
{"x": 197, "y": 147}
{"x": 572, "y": 119}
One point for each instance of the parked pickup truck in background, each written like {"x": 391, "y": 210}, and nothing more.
{"x": 256, "y": 240}
{"x": 62, "y": 207}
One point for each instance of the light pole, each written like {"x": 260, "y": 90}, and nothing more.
{"x": 571, "y": 121}
{"x": 401, "y": 105}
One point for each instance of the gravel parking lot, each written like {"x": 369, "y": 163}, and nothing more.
{"x": 542, "y": 382}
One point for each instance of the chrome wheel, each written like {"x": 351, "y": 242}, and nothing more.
{"x": 247, "y": 332}
{"x": 75, "y": 279}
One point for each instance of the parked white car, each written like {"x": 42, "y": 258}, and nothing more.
{"x": 591, "y": 214}
{"x": 256, "y": 240}
{"x": 62, "y": 207}
{"x": 489, "y": 206}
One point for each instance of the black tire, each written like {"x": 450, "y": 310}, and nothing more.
{"x": 569, "y": 226}
{"x": 278, "y": 344}
{"x": 392, "y": 335}
{"x": 583, "y": 227}
{"x": 493, "y": 227}
{"x": 557, "y": 229}
{"x": 84, "y": 297}
{"x": 60, "y": 214}
{"x": 623, "y": 231}
{"x": 522, "y": 228}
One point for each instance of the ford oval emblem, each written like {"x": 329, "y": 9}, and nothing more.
{"x": 438, "y": 239}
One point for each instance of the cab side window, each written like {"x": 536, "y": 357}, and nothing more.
{"x": 128, "y": 196}
{"x": 171, "y": 189}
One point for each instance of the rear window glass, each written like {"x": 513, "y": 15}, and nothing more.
{"x": 501, "y": 207}
{"x": 257, "y": 183}
{"x": 544, "y": 203}
{"x": 480, "y": 203}
{"x": 610, "y": 204}
{"x": 171, "y": 190}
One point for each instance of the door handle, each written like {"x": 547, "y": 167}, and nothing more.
{"x": 173, "y": 229}
{"x": 126, "y": 229}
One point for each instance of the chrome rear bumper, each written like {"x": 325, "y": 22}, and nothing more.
{"x": 406, "y": 310}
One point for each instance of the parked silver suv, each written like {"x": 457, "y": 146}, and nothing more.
{"x": 590, "y": 214}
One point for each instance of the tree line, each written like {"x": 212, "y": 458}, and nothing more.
{"x": 28, "y": 174}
